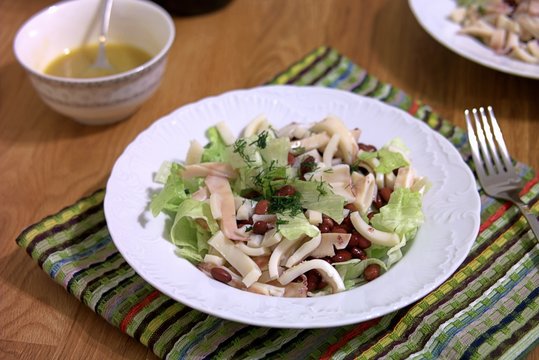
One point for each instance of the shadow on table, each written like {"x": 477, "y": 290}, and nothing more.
{"x": 34, "y": 120}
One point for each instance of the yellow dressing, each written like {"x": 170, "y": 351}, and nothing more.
{"x": 78, "y": 62}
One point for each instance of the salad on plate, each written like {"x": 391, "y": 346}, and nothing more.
{"x": 300, "y": 211}
{"x": 508, "y": 27}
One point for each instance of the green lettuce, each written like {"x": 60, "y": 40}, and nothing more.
{"x": 294, "y": 227}
{"x": 390, "y": 157}
{"x": 276, "y": 151}
{"x": 401, "y": 215}
{"x": 318, "y": 196}
{"x": 192, "y": 228}
{"x": 172, "y": 194}
{"x": 351, "y": 271}
{"x": 214, "y": 151}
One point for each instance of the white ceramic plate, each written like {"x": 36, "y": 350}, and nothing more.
{"x": 451, "y": 208}
{"x": 434, "y": 18}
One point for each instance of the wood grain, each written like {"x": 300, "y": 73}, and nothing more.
{"x": 48, "y": 161}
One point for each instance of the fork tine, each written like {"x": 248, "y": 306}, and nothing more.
{"x": 501, "y": 142}
{"x": 479, "y": 165}
{"x": 490, "y": 142}
{"x": 482, "y": 143}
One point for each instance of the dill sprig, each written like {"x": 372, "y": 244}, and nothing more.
{"x": 239, "y": 148}
{"x": 290, "y": 205}
{"x": 261, "y": 140}
{"x": 267, "y": 175}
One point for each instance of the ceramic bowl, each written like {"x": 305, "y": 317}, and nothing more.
{"x": 70, "y": 24}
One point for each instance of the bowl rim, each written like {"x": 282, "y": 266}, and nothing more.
{"x": 102, "y": 79}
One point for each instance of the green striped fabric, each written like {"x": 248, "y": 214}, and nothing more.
{"x": 488, "y": 308}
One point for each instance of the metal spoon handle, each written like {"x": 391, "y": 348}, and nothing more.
{"x": 105, "y": 20}
{"x": 101, "y": 60}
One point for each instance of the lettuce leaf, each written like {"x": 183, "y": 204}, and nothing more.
{"x": 293, "y": 227}
{"x": 214, "y": 151}
{"x": 351, "y": 270}
{"x": 318, "y": 196}
{"x": 192, "y": 228}
{"x": 401, "y": 215}
{"x": 390, "y": 157}
{"x": 172, "y": 194}
{"x": 276, "y": 150}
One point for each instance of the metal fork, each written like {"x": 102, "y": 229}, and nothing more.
{"x": 493, "y": 164}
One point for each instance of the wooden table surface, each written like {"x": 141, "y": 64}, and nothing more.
{"x": 48, "y": 161}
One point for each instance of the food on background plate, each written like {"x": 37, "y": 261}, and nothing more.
{"x": 298, "y": 211}
{"x": 509, "y": 27}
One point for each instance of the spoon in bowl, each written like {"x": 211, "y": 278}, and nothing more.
{"x": 102, "y": 61}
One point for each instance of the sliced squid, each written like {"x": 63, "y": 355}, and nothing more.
{"x": 303, "y": 251}
{"x": 194, "y": 153}
{"x": 373, "y": 235}
{"x": 331, "y": 149}
{"x": 405, "y": 178}
{"x": 328, "y": 272}
{"x": 219, "y": 186}
{"x": 207, "y": 169}
{"x": 253, "y": 251}
{"x": 329, "y": 242}
{"x": 313, "y": 142}
{"x": 347, "y": 143}
{"x": 226, "y": 134}
{"x": 235, "y": 257}
{"x": 256, "y": 126}
{"x": 277, "y": 256}
{"x": 364, "y": 189}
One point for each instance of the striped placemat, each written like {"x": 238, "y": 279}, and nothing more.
{"x": 488, "y": 308}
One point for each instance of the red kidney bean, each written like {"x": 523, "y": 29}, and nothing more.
{"x": 366, "y": 147}
{"x": 341, "y": 255}
{"x": 339, "y": 230}
{"x": 313, "y": 280}
{"x": 262, "y": 207}
{"x": 347, "y": 224}
{"x": 354, "y": 239}
{"x": 240, "y": 223}
{"x": 326, "y": 220}
{"x": 385, "y": 193}
{"x": 378, "y": 201}
{"x": 350, "y": 207}
{"x": 291, "y": 159}
{"x": 260, "y": 227}
{"x": 364, "y": 243}
{"x": 221, "y": 275}
{"x": 371, "y": 272}
{"x": 287, "y": 190}
{"x": 324, "y": 228}
{"x": 357, "y": 253}
{"x": 307, "y": 165}
{"x": 357, "y": 240}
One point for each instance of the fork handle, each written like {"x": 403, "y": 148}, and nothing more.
{"x": 531, "y": 217}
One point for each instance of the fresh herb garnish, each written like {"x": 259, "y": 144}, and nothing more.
{"x": 322, "y": 191}
{"x": 239, "y": 148}
{"x": 290, "y": 205}
{"x": 297, "y": 150}
{"x": 261, "y": 140}
{"x": 266, "y": 177}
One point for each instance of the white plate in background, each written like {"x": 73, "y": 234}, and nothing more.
{"x": 433, "y": 16}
